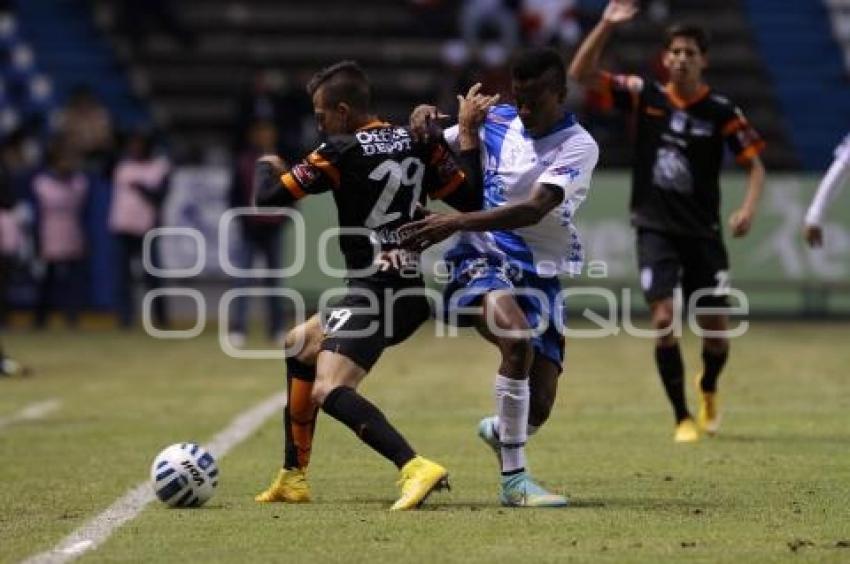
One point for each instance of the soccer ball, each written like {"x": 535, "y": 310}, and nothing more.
{"x": 184, "y": 475}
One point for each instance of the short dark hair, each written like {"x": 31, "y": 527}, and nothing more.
{"x": 535, "y": 63}
{"x": 343, "y": 82}
{"x": 690, "y": 31}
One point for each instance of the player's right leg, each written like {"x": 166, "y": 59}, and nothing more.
{"x": 504, "y": 323}
{"x": 299, "y": 414}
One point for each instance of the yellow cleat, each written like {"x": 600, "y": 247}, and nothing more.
{"x": 708, "y": 416}
{"x": 290, "y": 486}
{"x": 686, "y": 431}
{"x": 419, "y": 478}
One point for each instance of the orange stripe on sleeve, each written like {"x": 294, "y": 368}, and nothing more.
{"x": 605, "y": 90}
{"x": 292, "y": 185}
{"x": 733, "y": 125}
{"x": 322, "y": 163}
{"x": 450, "y": 187}
{"x": 750, "y": 152}
{"x": 606, "y": 82}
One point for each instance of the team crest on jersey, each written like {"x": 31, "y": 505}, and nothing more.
{"x": 678, "y": 121}
{"x": 306, "y": 174}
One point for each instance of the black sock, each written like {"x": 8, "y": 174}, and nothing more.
{"x": 713, "y": 364}
{"x": 298, "y": 432}
{"x": 358, "y": 414}
{"x": 672, "y": 371}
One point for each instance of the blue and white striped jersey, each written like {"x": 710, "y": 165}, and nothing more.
{"x": 514, "y": 162}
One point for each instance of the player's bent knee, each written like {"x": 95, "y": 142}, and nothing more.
{"x": 515, "y": 349}
{"x": 662, "y": 320}
{"x": 320, "y": 392}
{"x": 716, "y": 345}
{"x": 303, "y": 343}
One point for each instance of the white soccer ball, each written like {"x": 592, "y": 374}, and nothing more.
{"x": 184, "y": 475}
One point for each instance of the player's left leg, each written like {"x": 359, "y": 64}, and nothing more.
{"x": 543, "y": 380}
{"x": 715, "y": 352}
{"x": 706, "y": 271}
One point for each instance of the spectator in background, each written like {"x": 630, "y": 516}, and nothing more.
{"x": 141, "y": 19}
{"x": 86, "y": 125}
{"x": 12, "y": 165}
{"x": 552, "y": 23}
{"x": 11, "y": 160}
{"x": 262, "y": 100}
{"x": 283, "y": 102}
{"x": 494, "y": 18}
{"x": 60, "y": 194}
{"x": 261, "y": 235}
{"x": 140, "y": 182}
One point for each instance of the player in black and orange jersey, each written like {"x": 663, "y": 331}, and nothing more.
{"x": 683, "y": 127}
{"x": 378, "y": 175}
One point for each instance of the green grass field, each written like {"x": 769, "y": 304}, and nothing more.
{"x": 774, "y": 486}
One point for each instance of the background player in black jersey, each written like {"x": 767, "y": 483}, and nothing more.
{"x": 682, "y": 127}
{"x": 378, "y": 175}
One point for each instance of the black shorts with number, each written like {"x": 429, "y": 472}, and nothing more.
{"x": 373, "y": 315}
{"x": 667, "y": 261}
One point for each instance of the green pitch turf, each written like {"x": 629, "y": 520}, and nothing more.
{"x": 774, "y": 486}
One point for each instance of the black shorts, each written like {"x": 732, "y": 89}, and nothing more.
{"x": 372, "y": 316}
{"x": 667, "y": 261}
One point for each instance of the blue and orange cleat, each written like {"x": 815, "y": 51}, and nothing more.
{"x": 520, "y": 490}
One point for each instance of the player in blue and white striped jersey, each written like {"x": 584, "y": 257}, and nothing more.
{"x": 537, "y": 165}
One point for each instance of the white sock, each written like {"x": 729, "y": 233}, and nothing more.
{"x": 512, "y": 401}
{"x": 494, "y": 424}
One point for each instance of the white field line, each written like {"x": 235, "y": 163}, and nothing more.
{"x": 95, "y": 532}
{"x": 31, "y": 412}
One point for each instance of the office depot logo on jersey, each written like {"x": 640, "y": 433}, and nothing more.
{"x": 384, "y": 141}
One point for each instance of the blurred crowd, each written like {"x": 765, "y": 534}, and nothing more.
{"x": 57, "y": 155}
{"x": 490, "y": 31}
{"x": 55, "y": 168}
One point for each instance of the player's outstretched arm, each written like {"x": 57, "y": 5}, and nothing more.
{"x": 836, "y": 176}
{"x": 268, "y": 189}
{"x": 585, "y": 65}
{"x": 437, "y": 227}
{"x": 742, "y": 219}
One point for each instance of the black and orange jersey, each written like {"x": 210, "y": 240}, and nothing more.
{"x": 377, "y": 176}
{"x": 679, "y": 150}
